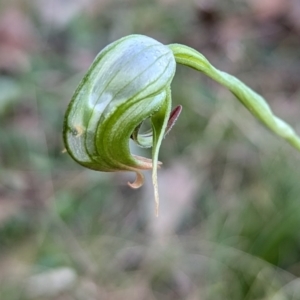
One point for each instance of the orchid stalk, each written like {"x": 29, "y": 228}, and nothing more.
{"x": 129, "y": 82}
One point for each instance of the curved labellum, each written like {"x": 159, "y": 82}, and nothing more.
{"x": 128, "y": 82}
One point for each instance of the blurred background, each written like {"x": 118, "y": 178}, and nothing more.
{"x": 230, "y": 213}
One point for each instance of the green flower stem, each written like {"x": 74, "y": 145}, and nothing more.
{"x": 251, "y": 100}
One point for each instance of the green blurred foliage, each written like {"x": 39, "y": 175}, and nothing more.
{"x": 230, "y": 216}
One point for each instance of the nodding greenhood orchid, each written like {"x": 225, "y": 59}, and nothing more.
{"x": 129, "y": 82}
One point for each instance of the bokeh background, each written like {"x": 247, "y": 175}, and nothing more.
{"x": 229, "y": 225}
